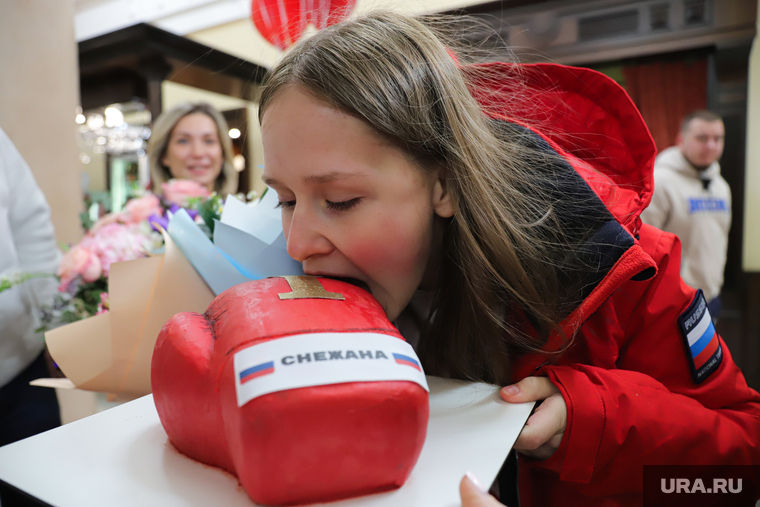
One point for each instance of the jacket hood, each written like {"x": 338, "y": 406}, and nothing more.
{"x": 672, "y": 158}
{"x": 605, "y": 164}
{"x": 586, "y": 117}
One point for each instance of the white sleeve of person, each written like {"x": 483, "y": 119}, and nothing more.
{"x": 28, "y": 245}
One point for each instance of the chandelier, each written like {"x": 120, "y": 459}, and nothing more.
{"x": 117, "y": 130}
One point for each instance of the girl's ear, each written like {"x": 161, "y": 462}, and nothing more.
{"x": 442, "y": 204}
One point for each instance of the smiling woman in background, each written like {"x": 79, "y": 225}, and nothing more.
{"x": 190, "y": 142}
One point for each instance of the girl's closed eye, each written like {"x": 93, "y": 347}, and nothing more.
{"x": 343, "y": 205}
{"x": 286, "y": 204}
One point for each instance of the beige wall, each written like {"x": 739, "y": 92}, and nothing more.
{"x": 39, "y": 81}
{"x": 751, "y": 255}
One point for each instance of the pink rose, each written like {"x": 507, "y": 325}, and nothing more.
{"x": 180, "y": 191}
{"x": 139, "y": 209}
{"x": 110, "y": 218}
{"x": 79, "y": 261}
{"x": 115, "y": 243}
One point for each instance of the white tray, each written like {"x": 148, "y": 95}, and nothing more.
{"x": 122, "y": 457}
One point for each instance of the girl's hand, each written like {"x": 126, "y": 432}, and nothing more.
{"x": 474, "y": 495}
{"x": 543, "y": 432}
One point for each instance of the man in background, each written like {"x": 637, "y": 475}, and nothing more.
{"x": 693, "y": 201}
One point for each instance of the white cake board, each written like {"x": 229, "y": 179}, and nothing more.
{"x": 122, "y": 457}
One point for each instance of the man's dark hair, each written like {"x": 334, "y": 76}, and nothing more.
{"x": 705, "y": 115}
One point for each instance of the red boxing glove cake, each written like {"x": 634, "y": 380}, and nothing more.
{"x": 300, "y": 386}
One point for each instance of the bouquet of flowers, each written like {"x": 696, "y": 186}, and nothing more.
{"x": 111, "y": 350}
{"x": 115, "y": 237}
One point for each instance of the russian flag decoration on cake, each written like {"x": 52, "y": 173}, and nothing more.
{"x": 702, "y": 341}
{"x": 256, "y": 371}
{"x": 406, "y": 360}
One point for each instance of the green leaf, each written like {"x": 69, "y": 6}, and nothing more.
{"x": 88, "y": 295}
{"x": 86, "y": 221}
{"x": 68, "y": 317}
{"x": 209, "y": 210}
{"x": 19, "y": 278}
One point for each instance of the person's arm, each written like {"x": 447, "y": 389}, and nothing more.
{"x": 29, "y": 218}
{"x": 650, "y": 410}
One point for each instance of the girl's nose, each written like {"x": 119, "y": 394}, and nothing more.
{"x": 304, "y": 237}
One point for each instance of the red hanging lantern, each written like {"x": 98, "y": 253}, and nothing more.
{"x": 324, "y": 13}
{"x": 282, "y": 22}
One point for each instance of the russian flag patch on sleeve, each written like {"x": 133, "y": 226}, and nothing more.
{"x": 703, "y": 347}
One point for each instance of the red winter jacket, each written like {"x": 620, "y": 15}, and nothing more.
{"x": 628, "y": 381}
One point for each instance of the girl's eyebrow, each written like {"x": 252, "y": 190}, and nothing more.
{"x": 319, "y": 179}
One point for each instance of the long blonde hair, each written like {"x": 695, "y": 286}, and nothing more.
{"x": 500, "y": 289}
{"x": 226, "y": 182}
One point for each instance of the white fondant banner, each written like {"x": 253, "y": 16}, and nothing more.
{"x": 316, "y": 359}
